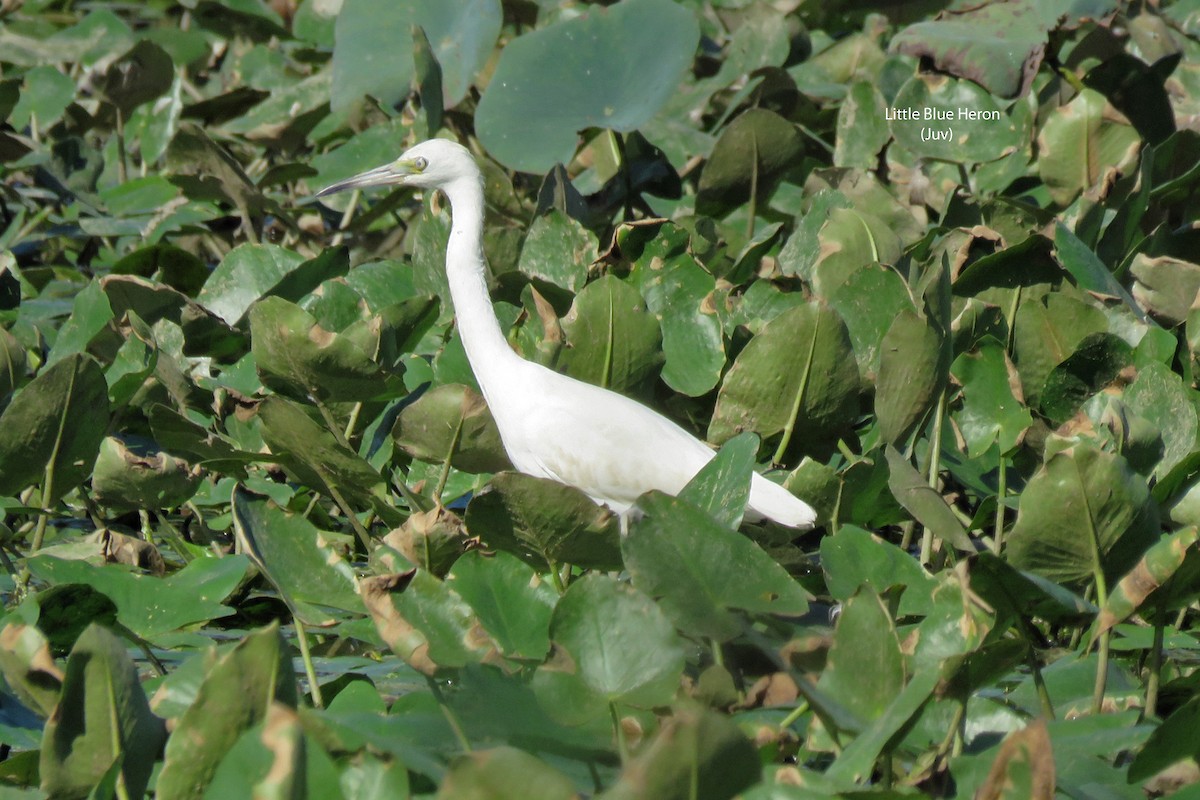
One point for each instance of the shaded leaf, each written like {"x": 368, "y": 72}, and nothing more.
{"x": 1085, "y": 510}
{"x": 258, "y": 672}
{"x": 625, "y": 63}
{"x": 696, "y": 755}
{"x": 681, "y": 556}
{"x": 53, "y": 428}
{"x": 102, "y": 718}
{"x": 288, "y": 549}
{"x": 613, "y": 340}
{"x": 806, "y": 392}
{"x": 747, "y": 161}
{"x": 544, "y": 523}
{"x": 1172, "y": 563}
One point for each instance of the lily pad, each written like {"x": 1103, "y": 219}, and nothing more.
{"x": 614, "y": 68}
{"x": 373, "y": 51}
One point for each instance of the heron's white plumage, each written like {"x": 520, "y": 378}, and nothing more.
{"x": 553, "y": 426}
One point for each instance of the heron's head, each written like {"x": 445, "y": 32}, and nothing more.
{"x": 432, "y": 164}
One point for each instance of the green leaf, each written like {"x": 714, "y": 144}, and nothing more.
{"x": 544, "y": 523}
{"x": 912, "y": 375}
{"x": 511, "y": 600}
{"x": 1096, "y": 364}
{"x": 425, "y": 622}
{"x": 90, "y": 314}
{"x": 558, "y": 250}
{"x": 1166, "y": 286}
{"x": 1172, "y": 741}
{"x": 802, "y": 249}
{"x": 1013, "y": 592}
{"x": 621, "y": 644}
{"x": 1164, "y": 577}
{"x": 807, "y": 392}
{"x": 323, "y": 462}
{"x": 1159, "y": 396}
{"x": 869, "y": 301}
{"x": 678, "y": 554}
{"x": 853, "y": 558}
{"x": 747, "y": 161}
{"x": 290, "y": 551}
{"x": 864, "y": 670}
{"x": 427, "y": 81}
{"x": 681, "y": 293}
{"x": 1085, "y": 510}
{"x": 29, "y": 668}
{"x": 13, "y": 363}
{"x": 976, "y": 127}
{"x": 1047, "y": 331}
{"x": 857, "y": 760}
{"x": 850, "y": 240}
{"x": 148, "y": 606}
{"x": 370, "y": 58}
{"x": 451, "y": 422}
{"x": 697, "y": 754}
{"x": 998, "y": 47}
{"x": 53, "y": 429}
{"x": 614, "y": 68}
{"x": 102, "y": 718}
{"x": 862, "y": 130}
{"x": 923, "y": 502}
{"x": 1137, "y": 90}
{"x": 297, "y": 356}
{"x": 237, "y": 694}
{"x": 992, "y": 410}
{"x": 1078, "y": 147}
{"x": 253, "y": 271}
{"x": 722, "y": 486}
{"x": 613, "y": 340}
{"x": 1088, "y": 270}
{"x": 140, "y": 477}
{"x": 504, "y": 772}
{"x": 138, "y": 76}
{"x": 45, "y": 94}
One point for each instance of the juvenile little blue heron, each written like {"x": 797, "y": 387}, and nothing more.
{"x": 553, "y": 426}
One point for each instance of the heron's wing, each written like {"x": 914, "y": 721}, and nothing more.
{"x": 616, "y": 449}
{"x": 611, "y": 447}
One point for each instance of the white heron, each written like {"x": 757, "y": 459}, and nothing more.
{"x": 611, "y": 447}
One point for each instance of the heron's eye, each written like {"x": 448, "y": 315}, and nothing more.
{"x": 420, "y": 164}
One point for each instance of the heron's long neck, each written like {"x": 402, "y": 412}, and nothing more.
{"x": 486, "y": 347}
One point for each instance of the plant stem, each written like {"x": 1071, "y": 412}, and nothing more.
{"x": 790, "y": 427}
{"x": 122, "y": 169}
{"x": 331, "y": 423}
{"x": 363, "y": 535}
{"x": 314, "y": 687}
{"x": 1035, "y": 670}
{"x": 753, "y": 210}
{"x": 793, "y": 715}
{"x": 935, "y": 467}
{"x": 353, "y": 421}
{"x": 952, "y": 740}
{"x": 39, "y": 533}
{"x": 449, "y": 714}
{"x": 1101, "y": 587}
{"x": 1001, "y": 492}
{"x": 555, "y": 578}
{"x": 1101, "y": 673}
{"x": 619, "y": 733}
{"x": 1154, "y": 679}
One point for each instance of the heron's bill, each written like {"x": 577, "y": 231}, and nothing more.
{"x": 387, "y": 175}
